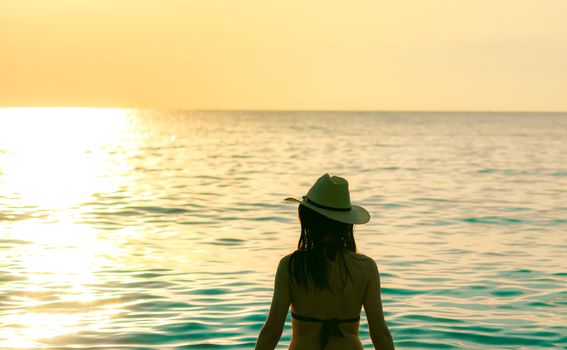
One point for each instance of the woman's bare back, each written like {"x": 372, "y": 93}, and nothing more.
{"x": 344, "y": 302}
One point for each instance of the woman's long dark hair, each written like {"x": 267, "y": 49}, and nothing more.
{"x": 321, "y": 239}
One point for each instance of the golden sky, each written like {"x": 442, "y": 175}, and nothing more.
{"x": 285, "y": 54}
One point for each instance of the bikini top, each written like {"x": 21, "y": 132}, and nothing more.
{"x": 329, "y": 327}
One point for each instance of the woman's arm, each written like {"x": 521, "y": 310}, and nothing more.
{"x": 273, "y": 328}
{"x": 379, "y": 332}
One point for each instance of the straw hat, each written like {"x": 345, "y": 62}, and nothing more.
{"x": 329, "y": 196}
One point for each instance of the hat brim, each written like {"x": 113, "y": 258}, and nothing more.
{"x": 357, "y": 215}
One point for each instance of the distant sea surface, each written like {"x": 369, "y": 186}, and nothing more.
{"x": 139, "y": 229}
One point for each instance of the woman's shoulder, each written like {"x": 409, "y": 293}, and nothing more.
{"x": 284, "y": 262}
{"x": 285, "y": 258}
{"x": 364, "y": 260}
{"x": 359, "y": 256}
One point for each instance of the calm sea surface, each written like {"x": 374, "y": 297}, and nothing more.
{"x": 125, "y": 229}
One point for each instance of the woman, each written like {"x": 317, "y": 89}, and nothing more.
{"x": 325, "y": 281}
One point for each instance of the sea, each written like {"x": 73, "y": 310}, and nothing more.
{"x": 154, "y": 229}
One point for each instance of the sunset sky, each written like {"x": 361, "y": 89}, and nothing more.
{"x": 267, "y": 54}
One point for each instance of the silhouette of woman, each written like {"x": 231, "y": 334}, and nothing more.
{"x": 325, "y": 281}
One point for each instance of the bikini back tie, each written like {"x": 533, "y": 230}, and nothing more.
{"x": 328, "y": 328}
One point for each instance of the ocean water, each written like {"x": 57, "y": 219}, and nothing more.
{"x": 138, "y": 229}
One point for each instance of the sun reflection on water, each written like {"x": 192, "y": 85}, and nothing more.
{"x": 52, "y": 160}
{"x": 56, "y": 158}
{"x": 58, "y": 270}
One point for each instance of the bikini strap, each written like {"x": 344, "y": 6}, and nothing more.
{"x": 328, "y": 328}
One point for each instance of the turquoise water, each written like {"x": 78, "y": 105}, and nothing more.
{"x": 147, "y": 229}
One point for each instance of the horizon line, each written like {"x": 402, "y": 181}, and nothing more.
{"x": 299, "y": 110}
